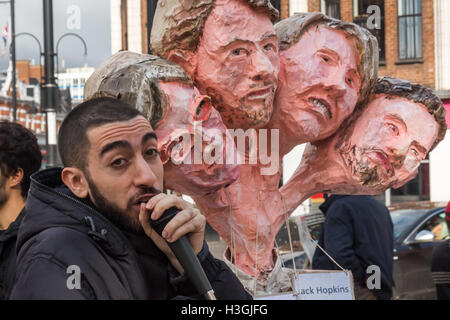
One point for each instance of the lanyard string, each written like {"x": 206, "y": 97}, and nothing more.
{"x": 323, "y": 250}
{"x": 288, "y": 226}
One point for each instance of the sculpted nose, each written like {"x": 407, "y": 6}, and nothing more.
{"x": 261, "y": 67}
{"x": 335, "y": 83}
{"x": 397, "y": 153}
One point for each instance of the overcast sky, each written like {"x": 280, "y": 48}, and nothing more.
{"x": 93, "y": 25}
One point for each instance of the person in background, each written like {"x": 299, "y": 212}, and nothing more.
{"x": 358, "y": 233}
{"x": 20, "y": 156}
{"x": 440, "y": 264}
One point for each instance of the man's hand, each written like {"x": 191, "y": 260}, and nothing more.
{"x": 189, "y": 221}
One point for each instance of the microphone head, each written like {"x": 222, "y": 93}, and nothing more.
{"x": 159, "y": 224}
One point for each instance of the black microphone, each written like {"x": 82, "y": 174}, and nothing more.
{"x": 186, "y": 256}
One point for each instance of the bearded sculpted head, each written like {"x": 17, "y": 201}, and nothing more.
{"x": 383, "y": 143}
{"x": 230, "y": 50}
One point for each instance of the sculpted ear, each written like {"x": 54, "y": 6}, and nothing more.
{"x": 185, "y": 59}
{"x": 76, "y": 181}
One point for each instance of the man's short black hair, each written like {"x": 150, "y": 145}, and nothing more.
{"x": 73, "y": 143}
{"x": 19, "y": 149}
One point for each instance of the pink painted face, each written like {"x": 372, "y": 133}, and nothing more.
{"x": 319, "y": 84}
{"x": 190, "y": 116}
{"x": 388, "y": 142}
{"x": 237, "y": 64}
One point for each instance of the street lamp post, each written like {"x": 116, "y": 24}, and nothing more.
{"x": 59, "y": 40}
{"x": 40, "y": 49}
{"x": 50, "y": 89}
{"x": 13, "y": 58}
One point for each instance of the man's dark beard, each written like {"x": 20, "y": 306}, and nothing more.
{"x": 117, "y": 216}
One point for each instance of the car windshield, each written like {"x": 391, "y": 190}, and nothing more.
{"x": 404, "y": 219}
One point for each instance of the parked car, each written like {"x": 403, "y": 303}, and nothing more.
{"x": 418, "y": 228}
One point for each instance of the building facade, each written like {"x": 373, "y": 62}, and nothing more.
{"x": 74, "y": 79}
{"x": 28, "y": 103}
{"x": 131, "y": 22}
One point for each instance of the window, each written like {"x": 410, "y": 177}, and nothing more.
{"x": 418, "y": 189}
{"x": 409, "y": 29}
{"x": 151, "y": 8}
{"x": 331, "y": 8}
{"x": 361, "y": 16}
{"x": 30, "y": 92}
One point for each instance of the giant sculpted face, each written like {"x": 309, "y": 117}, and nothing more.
{"x": 320, "y": 83}
{"x": 230, "y": 50}
{"x": 191, "y": 118}
{"x": 237, "y": 63}
{"x": 388, "y": 142}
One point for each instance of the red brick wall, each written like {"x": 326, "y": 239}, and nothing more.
{"x": 284, "y": 9}
{"x": 23, "y": 70}
{"x": 36, "y": 71}
{"x": 313, "y": 5}
{"x": 347, "y": 10}
{"x": 424, "y": 72}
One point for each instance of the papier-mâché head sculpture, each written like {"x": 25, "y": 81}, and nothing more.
{"x": 327, "y": 66}
{"x": 230, "y": 50}
{"x": 383, "y": 143}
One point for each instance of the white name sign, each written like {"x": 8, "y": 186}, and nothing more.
{"x": 324, "y": 285}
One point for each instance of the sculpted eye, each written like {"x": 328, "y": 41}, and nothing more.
{"x": 326, "y": 59}
{"x": 239, "y": 52}
{"x": 269, "y": 47}
{"x": 415, "y": 152}
{"x": 393, "y": 128}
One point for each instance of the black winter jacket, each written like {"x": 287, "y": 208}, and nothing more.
{"x": 60, "y": 230}
{"x": 357, "y": 233}
{"x": 8, "y": 239}
{"x": 440, "y": 269}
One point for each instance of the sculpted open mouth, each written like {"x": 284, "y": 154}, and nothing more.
{"x": 260, "y": 94}
{"x": 321, "y": 106}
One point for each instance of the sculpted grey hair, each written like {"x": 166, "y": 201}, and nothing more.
{"x": 134, "y": 78}
{"x": 290, "y": 30}
{"x": 178, "y": 24}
